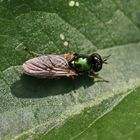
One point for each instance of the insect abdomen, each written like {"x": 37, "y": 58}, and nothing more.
{"x": 47, "y": 66}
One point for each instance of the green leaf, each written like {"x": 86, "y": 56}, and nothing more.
{"x": 120, "y": 124}
{"x": 30, "y": 107}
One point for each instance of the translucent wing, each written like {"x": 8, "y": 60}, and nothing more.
{"x": 48, "y": 66}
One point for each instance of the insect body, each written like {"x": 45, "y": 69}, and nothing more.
{"x": 71, "y": 64}
{"x": 86, "y": 64}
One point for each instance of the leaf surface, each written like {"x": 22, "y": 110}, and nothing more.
{"x": 30, "y": 106}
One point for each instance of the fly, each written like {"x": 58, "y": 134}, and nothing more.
{"x": 70, "y": 65}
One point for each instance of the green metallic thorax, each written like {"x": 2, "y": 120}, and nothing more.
{"x": 81, "y": 64}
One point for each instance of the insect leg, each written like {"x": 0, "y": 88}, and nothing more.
{"x": 73, "y": 84}
{"x": 34, "y": 54}
{"x": 93, "y": 75}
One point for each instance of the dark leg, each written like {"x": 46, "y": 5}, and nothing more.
{"x": 93, "y": 75}
{"x": 73, "y": 83}
{"x": 31, "y": 52}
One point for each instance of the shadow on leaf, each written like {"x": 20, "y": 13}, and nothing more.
{"x": 30, "y": 87}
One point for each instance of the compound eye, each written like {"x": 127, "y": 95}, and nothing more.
{"x": 96, "y": 62}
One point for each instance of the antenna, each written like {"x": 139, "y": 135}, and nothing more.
{"x": 105, "y": 58}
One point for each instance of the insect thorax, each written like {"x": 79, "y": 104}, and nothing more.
{"x": 80, "y": 63}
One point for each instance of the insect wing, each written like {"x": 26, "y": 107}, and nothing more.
{"x": 47, "y": 66}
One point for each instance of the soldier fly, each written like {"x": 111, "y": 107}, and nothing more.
{"x": 70, "y": 65}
